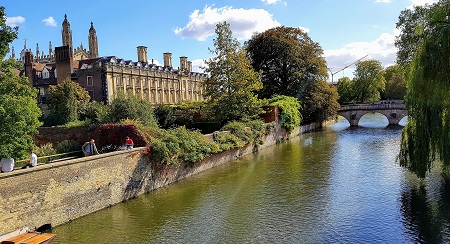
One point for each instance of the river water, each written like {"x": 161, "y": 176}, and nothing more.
{"x": 339, "y": 185}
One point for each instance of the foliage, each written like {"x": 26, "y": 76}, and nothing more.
{"x": 237, "y": 134}
{"x": 95, "y": 112}
{"x": 289, "y": 111}
{"x": 345, "y": 90}
{"x": 426, "y": 137}
{"x": 395, "y": 83}
{"x": 232, "y": 81}
{"x": 368, "y": 81}
{"x": 43, "y": 151}
{"x": 129, "y": 107}
{"x": 320, "y": 103}
{"x": 78, "y": 123}
{"x": 114, "y": 135}
{"x": 67, "y": 146}
{"x": 164, "y": 115}
{"x": 289, "y": 60}
{"x": 7, "y": 34}
{"x": 19, "y": 112}
{"x": 66, "y": 102}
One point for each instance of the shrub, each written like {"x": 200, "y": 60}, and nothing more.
{"x": 43, "y": 151}
{"x": 68, "y": 146}
{"x": 290, "y": 111}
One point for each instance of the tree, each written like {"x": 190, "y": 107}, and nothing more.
{"x": 368, "y": 81}
{"x": 232, "y": 82}
{"x": 426, "y": 137}
{"x": 345, "y": 90}
{"x": 125, "y": 106}
{"x": 19, "y": 112}
{"x": 395, "y": 83}
{"x": 292, "y": 65}
{"x": 66, "y": 102}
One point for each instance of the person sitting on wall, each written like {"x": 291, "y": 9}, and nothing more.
{"x": 129, "y": 143}
{"x": 89, "y": 148}
{"x": 32, "y": 162}
{"x": 7, "y": 164}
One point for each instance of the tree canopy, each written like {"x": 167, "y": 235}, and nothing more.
{"x": 232, "y": 82}
{"x": 66, "y": 102}
{"x": 423, "y": 50}
{"x": 395, "y": 83}
{"x": 292, "y": 65}
{"x": 19, "y": 112}
{"x": 368, "y": 81}
{"x": 345, "y": 90}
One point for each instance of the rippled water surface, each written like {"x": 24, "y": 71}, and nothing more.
{"x": 340, "y": 185}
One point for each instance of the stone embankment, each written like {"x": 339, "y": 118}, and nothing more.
{"x": 56, "y": 193}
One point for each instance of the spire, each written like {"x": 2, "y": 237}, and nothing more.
{"x": 50, "y": 50}
{"x": 37, "y": 51}
{"x": 93, "y": 42}
{"x": 66, "y": 33}
{"x": 13, "y": 53}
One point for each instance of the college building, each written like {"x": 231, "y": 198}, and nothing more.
{"x": 103, "y": 77}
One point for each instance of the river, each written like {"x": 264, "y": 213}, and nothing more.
{"x": 339, "y": 185}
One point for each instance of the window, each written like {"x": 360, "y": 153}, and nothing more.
{"x": 90, "y": 81}
{"x": 118, "y": 81}
{"x": 144, "y": 83}
{"x": 127, "y": 81}
{"x": 91, "y": 94}
{"x": 136, "y": 83}
{"x": 45, "y": 74}
{"x": 153, "y": 97}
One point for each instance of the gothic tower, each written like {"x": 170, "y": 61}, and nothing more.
{"x": 67, "y": 34}
{"x": 38, "y": 57}
{"x": 93, "y": 43}
{"x": 50, "y": 50}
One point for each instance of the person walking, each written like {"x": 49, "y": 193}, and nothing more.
{"x": 89, "y": 148}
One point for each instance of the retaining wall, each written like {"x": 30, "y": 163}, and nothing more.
{"x": 59, "y": 192}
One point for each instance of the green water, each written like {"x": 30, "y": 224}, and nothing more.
{"x": 340, "y": 185}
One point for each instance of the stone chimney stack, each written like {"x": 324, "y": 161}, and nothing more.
{"x": 63, "y": 57}
{"x": 189, "y": 65}
{"x": 29, "y": 67}
{"x": 183, "y": 63}
{"x": 142, "y": 54}
{"x": 167, "y": 59}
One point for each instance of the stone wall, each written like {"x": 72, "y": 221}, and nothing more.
{"x": 59, "y": 192}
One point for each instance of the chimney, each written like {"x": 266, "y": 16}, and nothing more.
{"x": 63, "y": 57}
{"x": 183, "y": 63}
{"x": 189, "y": 65}
{"x": 29, "y": 67}
{"x": 142, "y": 54}
{"x": 167, "y": 59}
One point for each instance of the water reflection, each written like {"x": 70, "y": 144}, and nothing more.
{"x": 339, "y": 185}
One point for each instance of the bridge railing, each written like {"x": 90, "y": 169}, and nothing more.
{"x": 373, "y": 106}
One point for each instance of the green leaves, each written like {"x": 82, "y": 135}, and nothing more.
{"x": 368, "y": 81}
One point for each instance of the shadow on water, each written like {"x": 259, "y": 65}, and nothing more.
{"x": 425, "y": 209}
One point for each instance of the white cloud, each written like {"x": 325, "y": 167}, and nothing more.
{"x": 49, "y": 21}
{"x": 270, "y": 1}
{"x": 243, "y": 22}
{"x": 382, "y": 49}
{"x": 304, "y": 29}
{"x": 382, "y": 1}
{"x": 14, "y": 21}
{"x": 198, "y": 64}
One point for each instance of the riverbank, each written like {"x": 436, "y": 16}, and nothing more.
{"x": 56, "y": 193}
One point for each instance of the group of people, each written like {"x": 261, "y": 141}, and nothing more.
{"x": 89, "y": 148}
{"x": 7, "y": 164}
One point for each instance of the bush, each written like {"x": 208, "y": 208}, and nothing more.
{"x": 67, "y": 146}
{"x": 242, "y": 133}
{"x": 129, "y": 107}
{"x": 78, "y": 123}
{"x": 43, "y": 151}
{"x": 289, "y": 111}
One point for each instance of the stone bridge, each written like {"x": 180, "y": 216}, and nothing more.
{"x": 394, "y": 110}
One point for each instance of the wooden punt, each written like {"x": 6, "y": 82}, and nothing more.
{"x": 30, "y": 238}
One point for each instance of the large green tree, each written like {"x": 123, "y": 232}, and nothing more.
{"x": 345, "y": 90}
{"x": 232, "y": 81}
{"x": 19, "y": 112}
{"x": 368, "y": 81}
{"x": 66, "y": 102}
{"x": 292, "y": 64}
{"x": 423, "y": 49}
{"x": 395, "y": 83}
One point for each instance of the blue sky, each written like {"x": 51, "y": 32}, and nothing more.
{"x": 346, "y": 29}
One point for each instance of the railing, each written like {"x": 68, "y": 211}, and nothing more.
{"x": 373, "y": 106}
{"x": 51, "y": 158}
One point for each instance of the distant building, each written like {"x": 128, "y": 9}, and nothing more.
{"x": 103, "y": 77}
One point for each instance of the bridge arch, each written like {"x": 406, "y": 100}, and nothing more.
{"x": 393, "y": 110}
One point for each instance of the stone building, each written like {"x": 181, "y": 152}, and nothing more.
{"x": 103, "y": 77}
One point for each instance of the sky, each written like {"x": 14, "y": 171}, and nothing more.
{"x": 347, "y": 30}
